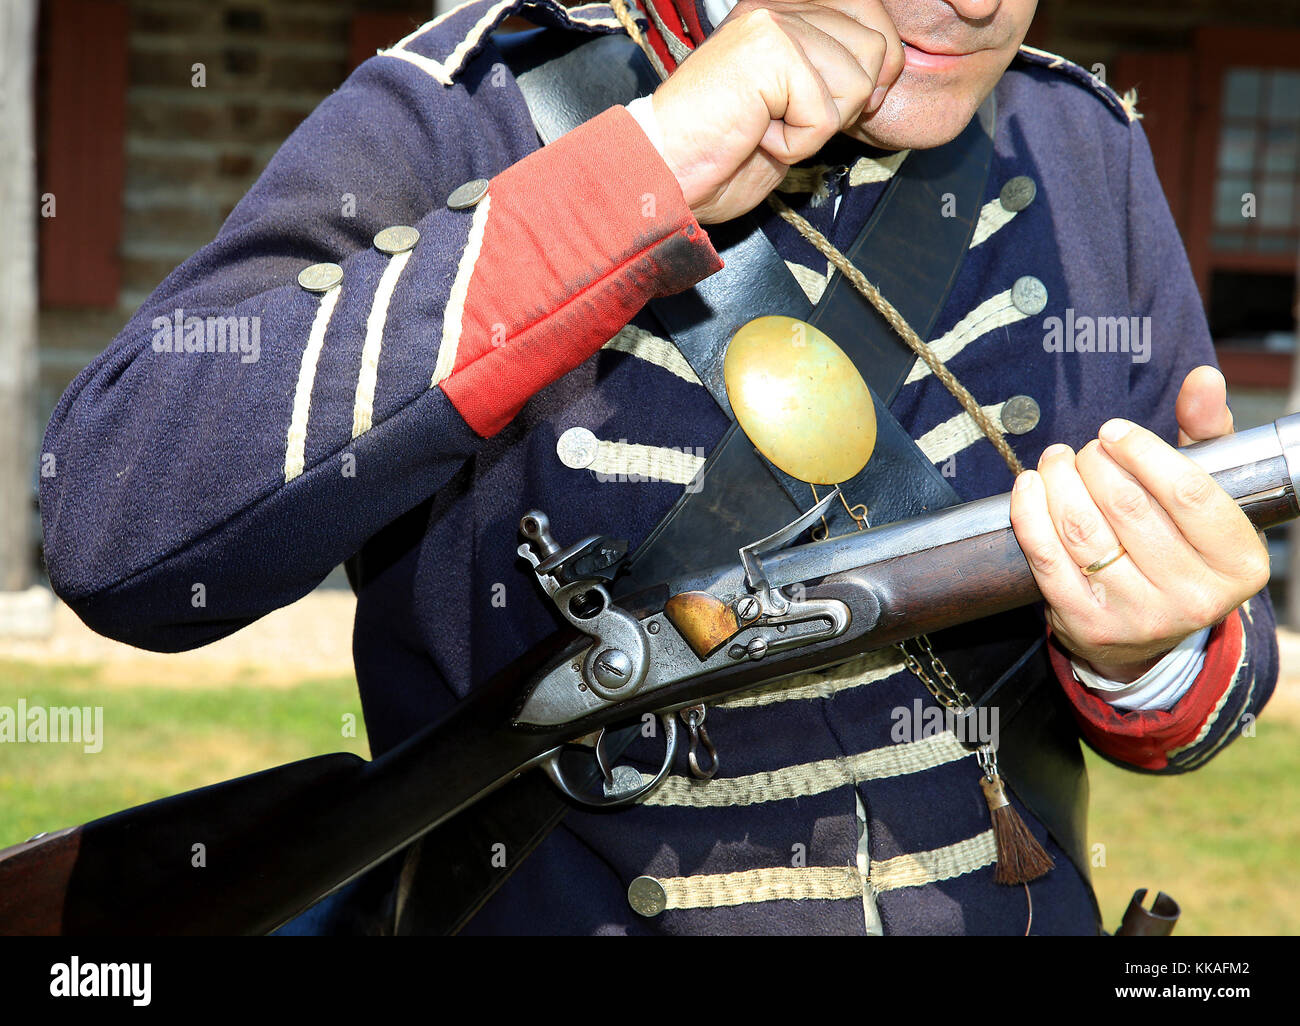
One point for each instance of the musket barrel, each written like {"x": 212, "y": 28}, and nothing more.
{"x": 1258, "y": 468}
{"x": 943, "y": 569}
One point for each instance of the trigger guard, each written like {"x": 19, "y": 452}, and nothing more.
{"x": 551, "y": 766}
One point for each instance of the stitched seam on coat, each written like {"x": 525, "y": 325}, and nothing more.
{"x": 956, "y": 433}
{"x": 453, "y": 315}
{"x": 993, "y": 218}
{"x": 995, "y": 312}
{"x": 824, "y": 684}
{"x": 647, "y": 346}
{"x": 651, "y": 462}
{"x": 829, "y": 883}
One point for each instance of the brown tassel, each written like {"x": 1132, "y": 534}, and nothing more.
{"x": 1020, "y": 857}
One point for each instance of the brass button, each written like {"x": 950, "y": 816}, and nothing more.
{"x": 1020, "y": 415}
{"x": 397, "y": 239}
{"x": 647, "y": 896}
{"x": 1029, "y": 295}
{"x": 320, "y": 277}
{"x": 577, "y": 448}
{"x": 1018, "y": 193}
{"x": 465, "y": 196}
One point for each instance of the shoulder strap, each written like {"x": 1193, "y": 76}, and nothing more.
{"x": 568, "y": 79}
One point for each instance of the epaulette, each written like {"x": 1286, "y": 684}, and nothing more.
{"x": 444, "y": 46}
{"x": 1124, "y": 107}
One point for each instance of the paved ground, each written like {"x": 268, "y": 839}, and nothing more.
{"x": 1286, "y": 699}
{"x": 312, "y": 637}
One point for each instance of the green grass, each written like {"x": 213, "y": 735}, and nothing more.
{"x": 158, "y": 740}
{"x": 1224, "y": 840}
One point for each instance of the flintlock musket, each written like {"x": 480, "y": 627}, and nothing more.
{"x": 778, "y": 610}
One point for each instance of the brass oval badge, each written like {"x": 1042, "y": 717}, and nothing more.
{"x": 800, "y": 399}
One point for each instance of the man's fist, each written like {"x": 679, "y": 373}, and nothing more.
{"x": 767, "y": 89}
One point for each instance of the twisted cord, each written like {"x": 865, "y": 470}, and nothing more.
{"x": 896, "y": 321}
{"x": 629, "y": 24}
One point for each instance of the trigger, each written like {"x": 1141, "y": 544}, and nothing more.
{"x": 603, "y": 760}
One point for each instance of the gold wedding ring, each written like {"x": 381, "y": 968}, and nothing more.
{"x": 1104, "y": 562}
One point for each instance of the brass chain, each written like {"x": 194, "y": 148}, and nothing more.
{"x": 945, "y": 691}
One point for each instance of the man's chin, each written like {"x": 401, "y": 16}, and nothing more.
{"x": 917, "y": 120}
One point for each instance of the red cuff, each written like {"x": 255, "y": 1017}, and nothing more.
{"x": 576, "y": 238}
{"x": 1146, "y": 738}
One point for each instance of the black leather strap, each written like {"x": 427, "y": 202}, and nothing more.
{"x": 570, "y": 77}
{"x": 567, "y": 82}
{"x": 898, "y": 481}
{"x": 912, "y": 250}
{"x": 702, "y": 528}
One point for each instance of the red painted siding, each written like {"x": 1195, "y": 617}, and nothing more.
{"x": 1164, "y": 86}
{"x": 377, "y": 31}
{"x": 82, "y": 135}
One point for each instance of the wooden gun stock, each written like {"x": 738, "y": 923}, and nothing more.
{"x": 274, "y": 842}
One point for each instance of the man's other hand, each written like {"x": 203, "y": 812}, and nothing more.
{"x": 1190, "y": 554}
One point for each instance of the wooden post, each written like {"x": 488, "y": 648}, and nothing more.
{"x": 18, "y": 366}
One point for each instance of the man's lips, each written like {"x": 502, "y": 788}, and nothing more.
{"x": 931, "y": 58}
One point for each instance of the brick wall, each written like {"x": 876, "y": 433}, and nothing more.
{"x": 191, "y": 153}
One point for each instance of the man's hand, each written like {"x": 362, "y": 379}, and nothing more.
{"x": 1191, "y": 555}
{"x": 775, "y": 81}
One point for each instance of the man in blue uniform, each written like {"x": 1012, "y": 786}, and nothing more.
{"x": 426, "y": 359}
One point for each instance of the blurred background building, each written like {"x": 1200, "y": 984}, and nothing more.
{"x": 139, "y": 166}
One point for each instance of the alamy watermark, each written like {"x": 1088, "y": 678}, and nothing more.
{"x": 55, "y": 724}
{"x": 661, "y": 466}
{"x": 918, "y": 721}
{"x": 1080, "y": 333}
{"x": 181, "y": 334}
{"x": 75, "y": 978}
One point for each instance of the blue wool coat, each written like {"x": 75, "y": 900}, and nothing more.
{"x": 407, "y": 416}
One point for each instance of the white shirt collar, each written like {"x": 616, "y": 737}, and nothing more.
{"x": 717, "y": 10}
